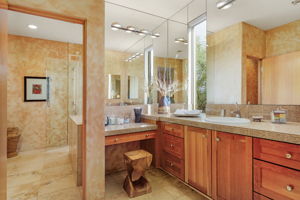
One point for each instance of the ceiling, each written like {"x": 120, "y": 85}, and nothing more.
{"x": 48, "y": 29}
{"x": 264, "y": 14}
{"x": 163, "y": 8}
{"x": 136, "y": 13}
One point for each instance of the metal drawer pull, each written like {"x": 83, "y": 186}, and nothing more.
{"x": 288, "y": 156}
{"x": 289, "y": 188}
{"x": 171, "y": 164}
{"x": 172, "y": 145}
{"x": 147, "y": 135}
{"x": 218, "y": 139}
{"x": 116, "y": 139}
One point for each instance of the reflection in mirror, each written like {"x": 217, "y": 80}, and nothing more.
{"x": 253, "y": 60}
{"x": 114, "y": 86}
{"x": 131, "y": 53}
{"x": 133, "y": 87}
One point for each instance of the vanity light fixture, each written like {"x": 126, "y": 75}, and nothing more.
{"x": 224, "y": 4}
{"x": 133, "y": 57}
{"x": 131, "y": 29}
{"x": 32, "y": 26}
{"x": 181, "y": 40}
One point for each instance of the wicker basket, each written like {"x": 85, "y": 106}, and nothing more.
{"x": 13, "y": 137}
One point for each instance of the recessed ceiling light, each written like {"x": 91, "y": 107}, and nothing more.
{"x": 130, "y": 29}
{"x": 115, "y": 26}
{"x": 145, "y": 31}
{"x": 155, "y": 35}
{"x": 224, "y": 4}
{"x": 32, "y": 26}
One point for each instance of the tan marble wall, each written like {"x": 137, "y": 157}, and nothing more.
{"x": 283, "y": 39}
{"x": 247, "y": 111}
{"x": 93, "y": 12}
{"x": 41, "y": 124}
{"x": 3, "y": 102}
{"x": 254, "y": 45}
{"x": 224, "y": 65}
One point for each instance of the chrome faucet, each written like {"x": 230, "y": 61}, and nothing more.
{"x": 237, "y": 112}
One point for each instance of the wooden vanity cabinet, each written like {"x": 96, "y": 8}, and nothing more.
{"x": 276, "y": 169}
{"x": 172, "y": 149}
{"x": 257, "y": 196}
{"x": 198, "y": 159}
{"x": 231, "y": 167}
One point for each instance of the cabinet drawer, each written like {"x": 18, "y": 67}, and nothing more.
{"x": 118, "y": 139}
{"x": 257, "y": 196}
{"x": 173, "y": 145}
{"x": 173, "y": 165}
{"x": 173, "y": 129}
{"x": 276, "y": 182}
{"x": 277, "y": 152}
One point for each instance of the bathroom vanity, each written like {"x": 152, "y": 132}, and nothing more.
{"x": 254, "y": 161}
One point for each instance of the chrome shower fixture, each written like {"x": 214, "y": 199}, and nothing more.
{"x": 224, "y": 4}
{"x": 131, "y": 29}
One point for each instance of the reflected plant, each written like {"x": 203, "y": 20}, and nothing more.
{"x": 167, "y": 89}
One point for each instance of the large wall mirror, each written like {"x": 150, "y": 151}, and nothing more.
{"x": 142, "y": 49}
{"x": 253, "y": 54}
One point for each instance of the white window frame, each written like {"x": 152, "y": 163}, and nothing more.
{"x": 192, "y": 61}
{"x": 146, "y": 66}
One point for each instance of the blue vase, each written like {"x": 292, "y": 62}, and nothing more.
{"x": 164, "y": 105}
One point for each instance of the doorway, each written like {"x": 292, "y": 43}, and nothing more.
{"x": 44, "y": 95}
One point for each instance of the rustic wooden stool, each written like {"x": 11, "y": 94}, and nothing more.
{"x": 135, "y": 183}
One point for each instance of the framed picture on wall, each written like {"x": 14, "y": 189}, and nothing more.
{"x": 36, "y": 88}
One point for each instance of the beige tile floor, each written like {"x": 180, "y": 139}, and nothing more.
{"x": 47, "y": 175}
{"x": 42, "y": 175}
{"x": 164, "y": 187}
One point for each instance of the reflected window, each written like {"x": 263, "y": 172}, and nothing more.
{"x": 133, "y": 87}
{"x": 114, "y": 86}
{"x": 198, "y": 63}
{"x": 149, "y": 75}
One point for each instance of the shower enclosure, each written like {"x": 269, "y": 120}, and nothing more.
{"x": 65, "y": 94}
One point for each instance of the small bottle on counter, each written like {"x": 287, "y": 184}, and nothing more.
{"x": 279, "y": 116}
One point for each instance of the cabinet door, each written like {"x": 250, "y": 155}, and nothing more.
{"x": 198, "y": 158}
{"x": 231, "y": 166}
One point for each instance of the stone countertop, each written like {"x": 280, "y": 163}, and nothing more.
{"x": 289, "y": 132}
{"x": 112, "y": 130}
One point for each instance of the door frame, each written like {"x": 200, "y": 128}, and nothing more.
{"x": 83, "y": 22}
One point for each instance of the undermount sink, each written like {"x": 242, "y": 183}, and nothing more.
{"x": 228, "y": 120}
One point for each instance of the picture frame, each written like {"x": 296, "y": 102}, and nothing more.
{"x": 36, "y": 89}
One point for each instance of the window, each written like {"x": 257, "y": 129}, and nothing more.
{"x": 197, "y": 64}
{"x": 148, "y": 75}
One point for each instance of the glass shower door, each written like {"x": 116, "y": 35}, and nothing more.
{"x": 57, "y": 102}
